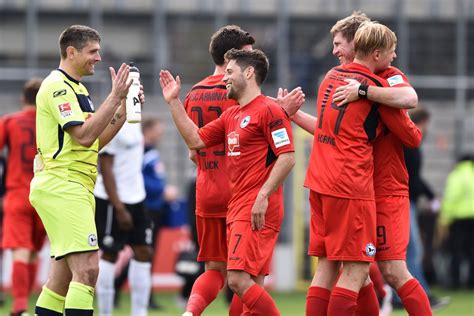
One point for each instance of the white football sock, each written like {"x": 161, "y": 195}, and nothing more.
{"x": 139, "y": 278}
{"x": 105, "y": 288}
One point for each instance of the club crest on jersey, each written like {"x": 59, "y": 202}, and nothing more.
{"x": 245, "y": 121}
{"x": 92, "y": 240}
{"x": 65, "y": 109}
{"x": 370, "y": 250}
{"x": 233, "y": 144}
{"x": 280, "y": 137}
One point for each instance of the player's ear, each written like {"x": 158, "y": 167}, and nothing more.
{"x": 376, "y": 54}
{"x": 70, "y": 51}
{"x": 249, "y": 71}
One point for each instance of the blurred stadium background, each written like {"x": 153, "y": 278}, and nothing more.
{"x": 435, "y": 49}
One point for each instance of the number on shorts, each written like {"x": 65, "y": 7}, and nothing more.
{"x": 381, "y": 234}
{"x": 239, "y": 237}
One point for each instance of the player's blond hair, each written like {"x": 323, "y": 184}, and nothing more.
{"x": 372, "y": 36}
{"x": 349, "y": 25}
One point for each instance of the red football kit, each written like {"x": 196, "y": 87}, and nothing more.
{"x": 340, "y": 172}
{"x": 22, "y": 227}
{"x": 391, "y": 176}
{"x": 206, "y": 101}
{"x": 254, "y": 136}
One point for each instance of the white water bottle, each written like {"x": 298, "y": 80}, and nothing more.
{"x": 134, "y": 107}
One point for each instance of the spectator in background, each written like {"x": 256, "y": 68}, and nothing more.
{"x": 418, "y": 188}
{"x": 23, "y": 231}
{"x": 121, "y": 219}
{"x": 457, "y": 216}
{"x": 159, "y": 194}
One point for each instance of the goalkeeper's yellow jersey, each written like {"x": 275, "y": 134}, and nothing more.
{"x": 63, "y": 102}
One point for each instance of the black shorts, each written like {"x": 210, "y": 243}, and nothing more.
{"x": 111, "y": 238}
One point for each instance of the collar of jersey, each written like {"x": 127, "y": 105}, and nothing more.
{"x": 67, "y": 76}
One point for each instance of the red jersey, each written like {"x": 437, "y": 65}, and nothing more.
{"x": 206, "y": 101}
{"x": 390, "y": 172}
{"x": 254, "y": 136}
{"x": 17, "y": 133}
{"x": 341, "y": 161}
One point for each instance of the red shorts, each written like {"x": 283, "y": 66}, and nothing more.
{"x": 211, "y": 234}
{"x": 250, "y": 250}
{"x": 22, "y": 227}
{"x": 342, "y": 229}
{"x": 393, "y": 227}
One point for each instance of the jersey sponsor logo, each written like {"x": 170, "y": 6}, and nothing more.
{"x": 65, "y": 109}
{"x": 59, "y": 93}
{"x": 233, "y": 144}
{"x": 370, "y": 250}
{"x": 393, "y": 81}
{"x": 245, "y": 121}
{"x": 280, "y": 137}
{"x": 92, "y": 240}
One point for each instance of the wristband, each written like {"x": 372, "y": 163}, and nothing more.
{"x": 362, "y": 92}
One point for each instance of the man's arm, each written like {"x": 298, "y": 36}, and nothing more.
{"x": 280, "y": 171}
{"x": 87, "y": 133}
{"x": 400, "y": 124}
{"x": 291, "y": 104}
{"x": 124, "y": 218}
{"x": 186, "y": 127}
{"x": 117, "y": 121}
{"x": 114, "y": 126}
{"x": 397, "y": 97}
{"x": 305, "y": 121}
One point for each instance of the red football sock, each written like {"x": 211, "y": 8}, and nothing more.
{"x": 259, "y": 302}
{"x": 414, "y": 298}
{"x": 236, "y": 306}
{"x": 20, "y": 282}
{"x": 367, "y": 303}
{"x": 205, "y": 290}
{"x": 377, "y": 278}
{"x": 33, "y": 269}
{"x": 343, "y": 302}
{"x": 317, "y": 301}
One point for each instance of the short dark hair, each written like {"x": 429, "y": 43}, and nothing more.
{"x": 419, "y": 115}
{"x": 30, "y": 90}
{"x": 226, "y": 38}
{"x": 77, "y": 36}
{"x": 254, "y": 58}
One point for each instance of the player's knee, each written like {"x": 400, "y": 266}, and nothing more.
{"x": 395, "y": 273}
{"x": 142, "y": 253}
{"x": 88, "y": 275}
{"x": 217, "y": 266}
{"x": 235, "y": 284}
{"x": 109, "y": 256}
